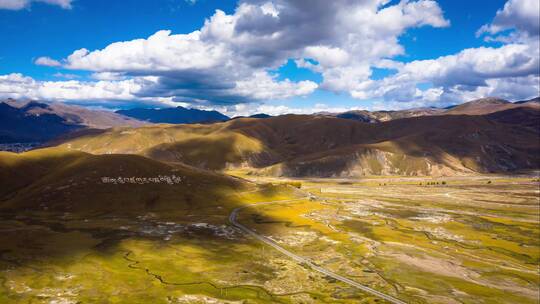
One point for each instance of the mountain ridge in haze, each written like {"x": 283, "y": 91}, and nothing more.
{"x": 479, "y": 106}
{"x": 326, "y": 146}
{"x": 17, "y": 125}
{"x": 34, "y": 118}
{"x": 175, "y": 115}
{"x": 76, "y": 115}
{"x": 32, "y": 121}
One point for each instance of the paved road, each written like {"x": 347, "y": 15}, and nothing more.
{"x": 302, "y": 260}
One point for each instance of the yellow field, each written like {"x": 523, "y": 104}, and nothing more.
{"x": 465, "y": 240}
{"x": 468, "y": 240}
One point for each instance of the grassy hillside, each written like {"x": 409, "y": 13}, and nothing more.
{"x": 305, "y": 145}
{"x": 204, "y": 146}
{"x": 67, "y": 237}
{"x": 379, "y": 116}
{"x": 55, "y": 179}
{"x": 485, "y": 106}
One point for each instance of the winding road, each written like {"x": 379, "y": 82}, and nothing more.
{"x": 301, "y": 260}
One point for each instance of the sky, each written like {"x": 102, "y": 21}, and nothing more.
{"x": 282, "y": 56}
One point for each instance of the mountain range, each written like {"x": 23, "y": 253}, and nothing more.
{"x": 482, "y": 136}
{"x": 328, "y": 146}
{"x": 32, "y": 121}
{"x": 39, "y": 122}
{"x": 76, "y": 115}
{"x": 17, "y": 125}
{"x": 475, "y": 107}
{"x": 178, "y": 115}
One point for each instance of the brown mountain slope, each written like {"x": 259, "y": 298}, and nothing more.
{"x": 486, "y": 106}
{"x": 390, "y": 115}
{"x": 422, "y": 145}
{"x": 208, "y": 146}
{"x": 96, "y": 118}
{"x": 76, "y": 115}
{"x": 529, "y": 101}
{"x": 379, "y": 116}
{"x": 304, "y": 145}
{"x": 69, "y": 181}
{"x": 480, "y": 106}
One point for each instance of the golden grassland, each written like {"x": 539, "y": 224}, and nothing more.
{"x": 467, "y": 240}
{"x": 66, "y": 238}
{"x": 205, "y": 146}
{"x": 190, "y": 256}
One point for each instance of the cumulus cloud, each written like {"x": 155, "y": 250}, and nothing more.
{"x": 277, "y": 109}
{"x": 368, "y": 36}
{"x": 511, "y": 88}
{"x": 520, "y": 15}
{"x": 232, "y": 58}
{"x": 66, "y": 75}
{"x": 19, "y": 86}
{"x": 510, "y": 71}
{"x": 47, "y": 61}
{"x": 261, "y": 86}
{"x": 228, "y": 59}
{"x": 107, "y": 76}
{"x": 161, "y": 52}
{"x": 188, "y": 69}
{"x": 21, "y": 4}
{"x": 472, "y": 67}
{"x": 475, "y": 72}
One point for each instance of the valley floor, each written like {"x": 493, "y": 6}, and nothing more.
{"x": 459, "y": 240}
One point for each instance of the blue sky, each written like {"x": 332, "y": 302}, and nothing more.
{"x": 55, "y": 29}
{"x": 43, "y": 29}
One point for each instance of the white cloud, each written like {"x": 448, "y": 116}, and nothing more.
{"x": 455, "y": 78}
{"x": 471, "y": 67}
{"x": 247, "y": 109}
{"x": 511, "y": 88}
{"x": 367, "y": 35}
{"x": 47, "y": 61}
{"x": 224, "y": 63}
{"x": 228, "y": 60}
{"x": 13, "y": 4}
{"x": 262, "y": 86}
{"x": 189, "y": 69}
{"x": 20, "y": 86}
{"x": 327, "y": 56}
{"x": 65, "y": 4}
{"x": 107, "y": 76}
{"x": 21, "y": 4}
{"x": 160, "y": 52}
{"x": 66, "y": 75}
{"x": 510, "y": 71}
{"x": 520, "y": 15}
